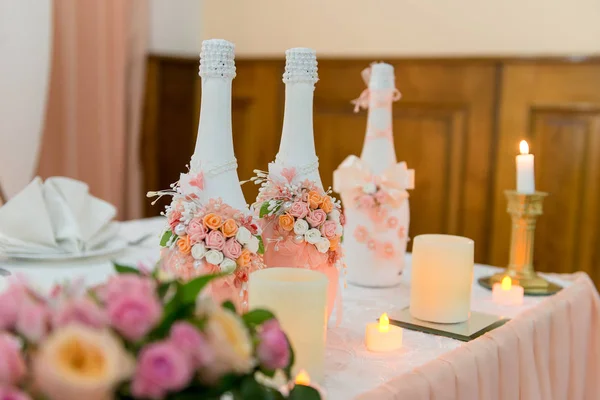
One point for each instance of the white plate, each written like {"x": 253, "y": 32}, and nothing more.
{"x": 114, "y": 246}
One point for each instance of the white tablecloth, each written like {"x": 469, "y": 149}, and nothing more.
{"x": 350, "y": 368}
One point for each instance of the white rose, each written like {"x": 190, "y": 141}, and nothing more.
{"x": 369, "y": 188}
{"x": 243, "y": 235}
{"x": 198, "y": 251}
{"x": 252, "y": 244}
{"x": 300, "y": 227}
{"x": 227, "y": 265}
{"x": 214, "y": 257}
{"x": 334, "y": 215}
{"x": 323, "y": 245}
{"x": 339, "y": 229}
{"x": 312, "y": 236}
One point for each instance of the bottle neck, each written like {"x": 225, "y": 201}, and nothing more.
{"x": 214, "y": 144}
{"x": 297, "y": 145}
{"x": 378, "y": 149}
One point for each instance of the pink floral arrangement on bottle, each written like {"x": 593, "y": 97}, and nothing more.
{"x": 300, "y": 217}
{"x": 208, "y": 238}
{"x": 137, "y": 337}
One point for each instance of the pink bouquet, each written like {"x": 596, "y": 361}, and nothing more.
{"x": 136, "y": 337}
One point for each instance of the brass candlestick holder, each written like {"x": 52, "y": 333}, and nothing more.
{"x": 524, "y": 210}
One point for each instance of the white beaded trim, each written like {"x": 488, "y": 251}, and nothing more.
{"x": 217, "y": 59}
{"x": 302, "y": 170}
{"x": 300, "y": 66}
{"x": 196, "y": 166}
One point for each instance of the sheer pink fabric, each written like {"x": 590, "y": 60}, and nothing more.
{"x": 95, "y": 98}
{"x": 549, "y": 352}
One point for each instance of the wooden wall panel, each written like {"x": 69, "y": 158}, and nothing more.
{"x": 556, "y": 107}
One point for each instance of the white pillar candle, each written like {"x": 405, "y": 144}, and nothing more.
{"x": 525, "y": 174}
{"x": 381, "y": 336}
{"x": 506, "y": 293}
{"x": 441, "y": 278}
{"x": 298, "y": 298}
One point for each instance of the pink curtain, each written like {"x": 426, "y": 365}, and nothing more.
{"x": 95, "y": 100}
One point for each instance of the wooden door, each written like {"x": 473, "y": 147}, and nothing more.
{"x": 443, "y": 128}
{"x": 556, "y": 108}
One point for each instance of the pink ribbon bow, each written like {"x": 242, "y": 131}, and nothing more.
{"x": 381, "y": 101}
{"x": 353, "y": 174}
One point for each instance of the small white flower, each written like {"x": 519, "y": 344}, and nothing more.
{"x": 227, "y": 265}
{"x": 334, "y": 215}
{"x": 243, "y": 235}
{"x": 198, "y": 251}
{"x": 312, "y": 236}
{"x": 252, "y": 244}
{"x": 300, "y": 227}
{"x": 339, "y": 229}
{"x": 323, "y": 245}
{"x": 369, "y": 188}
{"x": 214, "y": 257}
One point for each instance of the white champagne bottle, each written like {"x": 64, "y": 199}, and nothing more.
{"x": 297, "y": 146}
{"x": 377, "y": 232}
{"x": 213, "y": 154}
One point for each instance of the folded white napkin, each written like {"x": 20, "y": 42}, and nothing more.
{"x": 56, "y": 216}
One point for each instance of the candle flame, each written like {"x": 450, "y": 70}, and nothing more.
{"x": 384, "y": 323}
{"x": 302, "y": 378}
{"x": 506, "y": 283}
{"x": 524, "y": 147}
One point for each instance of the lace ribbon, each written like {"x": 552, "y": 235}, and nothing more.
{"x": 381, "y": 97}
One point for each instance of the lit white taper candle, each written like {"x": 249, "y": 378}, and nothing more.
{"x": 525, "y": 175}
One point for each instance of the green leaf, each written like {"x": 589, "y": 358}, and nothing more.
{"x": 301, "y": 392}
{"x": 124, "y": 269}
{"x": 190, "y": 290}
{"x": 288, "y": 370}
{"x": 268, "y": 372}
{"x": 165, "y": 238}
{"x": 163, "y": 288}
{"x": 264, "y": 209}
{"x": 261, "y": 245}
{"x": 229, "y": 306}
{"x": 257, "y": 317}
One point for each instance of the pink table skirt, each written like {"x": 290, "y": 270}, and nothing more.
{"x": 551, "y": 351}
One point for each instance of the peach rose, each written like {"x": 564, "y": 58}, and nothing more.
{"x": 334, "y": 243}
{"x": 212, "y": 221}
{"x": 183, "y": 243}
{"x": 244, "y": 258}
{"x": 314, "y": 199}
{"x": 229, "y": 228}
{"x": 286, "y": 221}
{"x": 327, "y": 205}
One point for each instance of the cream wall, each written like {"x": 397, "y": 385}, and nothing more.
{"x": 175, "y": 26}
{"x": 406, "y": 27}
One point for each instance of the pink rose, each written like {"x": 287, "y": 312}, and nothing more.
{"x": 133, "y": 315}
{"x": 83, "y": 311}
{"x": 381, "y": 197}
{"x": 127, "y": 283}
{"x": 316, "y": 218}
{"x": 8, "y": 393}
{"x": 196, "y": 230}
{"x": 188, "y": 339}
{"x": 366, "y": 201}
{"x": 162, "y": 368}
{"x": 342, "y": 218}
{"x": 299, "y": 209}
{"x": 215, "y": 240}
{"x": 33, "y": 320}
{"x": 10, "y": 302}
{"x": 232, "y": 249}
{"x": 273, "y": 350}
{"x": 174, "y": 219}
{"x": 328, "y": 229}
{"x": 12, "y": 365}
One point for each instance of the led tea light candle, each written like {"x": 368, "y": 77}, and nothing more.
{"x": 381, "y": 336}
{"x": 298, "y": 297}
{"x": 441, "y": 278}
{"x": 525, "y": 174}
{"x": 303, "y": 378}
{"x": 506, "y": 293}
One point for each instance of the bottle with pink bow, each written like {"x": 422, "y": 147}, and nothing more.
{"x": 374, "y": 190}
